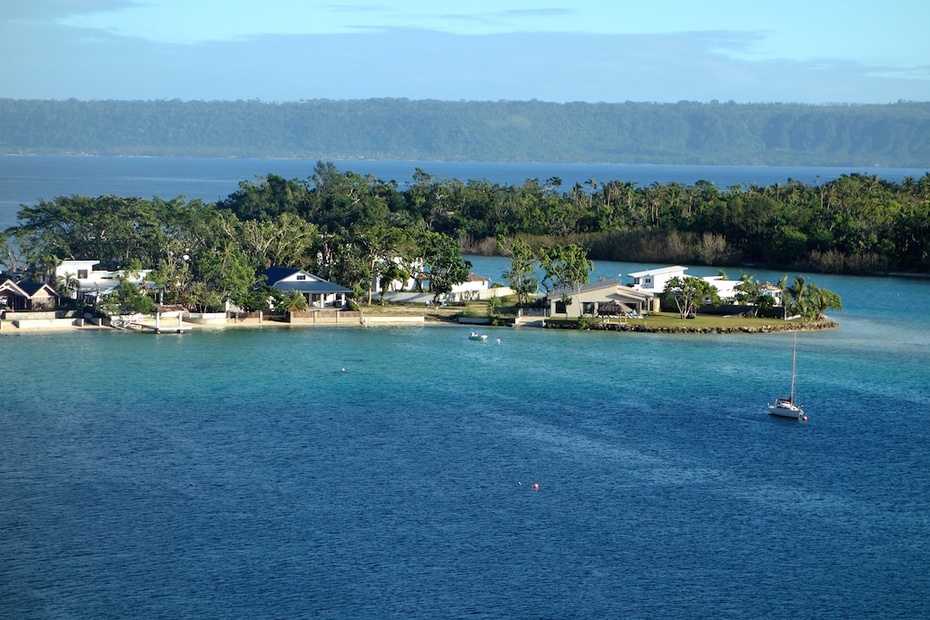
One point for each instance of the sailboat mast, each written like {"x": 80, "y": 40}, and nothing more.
{"x": 794, "y": 360}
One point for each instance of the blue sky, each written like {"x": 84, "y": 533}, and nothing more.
{"x": 792, "y": 51}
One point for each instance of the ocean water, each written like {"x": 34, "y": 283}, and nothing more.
{"x": 389, "y": 472}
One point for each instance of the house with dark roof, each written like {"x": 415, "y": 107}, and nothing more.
{"x": 27, "y": 296}
{"x": 318, "y": 292}
{"x": 604, "y": 298}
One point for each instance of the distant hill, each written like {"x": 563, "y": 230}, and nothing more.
{"x": 399, "y": 129}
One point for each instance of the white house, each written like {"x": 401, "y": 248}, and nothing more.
{"x": 725, "y": 288}
{"x": 93, "y": 282}
{"x": 654, "y": 280}
{"x": 318, "y": 292}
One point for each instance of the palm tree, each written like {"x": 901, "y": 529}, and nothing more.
{"x": 795, "y": 294}
{"x": 68, "y": 283}
{"x": 294, "y": 301}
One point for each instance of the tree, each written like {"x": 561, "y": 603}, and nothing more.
{"x": 749, "y": 291}
{"x": 127, "y": 298}
{"x": 294, "y": 301}
{"x": 689, "y": 293}
{"x": 443, "y": 258}
{"x": 68, "y": 283}
{"x": 522, "y": 267}
{"x": 222, "y": 273}
{"x": 816, "y": 301}
{"x": 379, "y": 244}
{"x": 9, "y": 255}
{"x": 566, "y": 266}
{"x": 794, "y": 296}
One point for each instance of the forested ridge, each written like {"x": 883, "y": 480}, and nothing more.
{"x": 428, "y": 130}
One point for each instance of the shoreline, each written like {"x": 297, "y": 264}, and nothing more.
{"x": 7, "y": 328}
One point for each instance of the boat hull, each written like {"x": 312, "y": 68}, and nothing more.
{"x": 786, "y": 410}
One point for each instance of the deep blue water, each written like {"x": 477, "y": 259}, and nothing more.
{"x": 242, "y": 473}
{"x": 26, "y": 179}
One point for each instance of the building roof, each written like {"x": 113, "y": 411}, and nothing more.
{"x": 276, "y": 277}
{"x": 657, "y": 271}
{"x": 614, "y": 285}
{"x": 10, "y": 285}
{"x": 34, "y": 288}
{"x": 28, "y": 289}
{"x": 276, "y": 274}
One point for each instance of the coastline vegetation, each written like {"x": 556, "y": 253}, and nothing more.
{"x": 354, "y": 230}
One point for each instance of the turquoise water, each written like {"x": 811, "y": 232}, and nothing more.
{"x": 389, "y": 472}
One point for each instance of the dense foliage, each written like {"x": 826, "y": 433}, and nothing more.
{"x": 352, "y": 229}
{"x": 401, "y": 129}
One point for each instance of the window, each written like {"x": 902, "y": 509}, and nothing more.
{"x": 301, "y": 277}
{"x": 82, "y": 274}
{"x": 560, "y": 307}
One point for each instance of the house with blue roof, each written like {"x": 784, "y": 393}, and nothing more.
{"x": 318, "y": 292}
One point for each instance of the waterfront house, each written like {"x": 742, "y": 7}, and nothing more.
{"x": 27, "y": 296}
{"x": 318, "y": 292}
{"x": 93, "y": 282}
{"x": 592, "y": 298}
{"x": 653, "y": 281}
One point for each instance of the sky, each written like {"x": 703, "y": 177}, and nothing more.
{"x": 747, "y": 51}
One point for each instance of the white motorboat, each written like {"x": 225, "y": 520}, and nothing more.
{"x": 477, "y": 336}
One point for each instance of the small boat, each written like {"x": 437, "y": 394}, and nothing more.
{"x": 786, "y": 407}
{"x": 477, "y": 336}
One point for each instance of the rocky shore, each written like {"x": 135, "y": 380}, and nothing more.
{"x": 643, "y": 327}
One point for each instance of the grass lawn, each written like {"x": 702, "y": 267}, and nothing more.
{"x": 655, "y": 321}
{"x": 709, "y": 321}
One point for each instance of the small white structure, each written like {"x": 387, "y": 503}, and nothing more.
{"x": 93, "y": 282}
{"x": 772, "y": 291}
{"x": 470, "y": 289}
